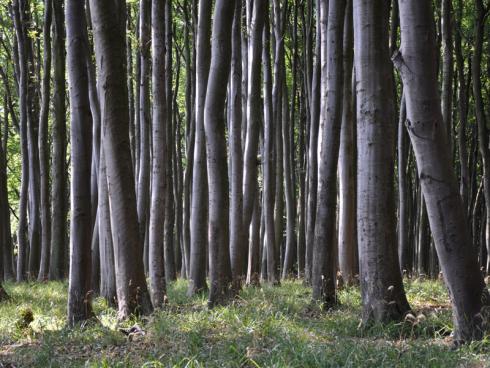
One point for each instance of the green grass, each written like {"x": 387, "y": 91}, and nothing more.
{"x": 264, "y": 327}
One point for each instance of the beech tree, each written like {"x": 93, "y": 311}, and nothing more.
{"x": 79, "y": 307}
{"x": 417, "y": 63}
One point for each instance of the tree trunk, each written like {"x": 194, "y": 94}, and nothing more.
{"x": 197, "y": 277}
{"x": 347, "y": 163}
{"x": 417, "y": 62}
{"x": 382, "y": 290}
{"x": 143, "y": 192}
{"x": 22, "y": 89}
{"x": 214, "y": 124}
{"x": 106, "y": 247}
{"x": 253, "y": 111}
{"x": 313, "y": 152}
{"x": 481, "y": 119}
{"x": 109, "y": 21}
{"x": 157, "y": 205}
{"x": 237, "y": 230}
{"x": 268, "y": 168}
{"x": 323, "y": 280}
{"x": 79, "y": 300}
{"x": 447, "y": 68}
{"x": 58, "y": 168}
{"x": 43, "y": 145}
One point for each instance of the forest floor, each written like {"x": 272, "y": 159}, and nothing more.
{"x": 263, "y": 327}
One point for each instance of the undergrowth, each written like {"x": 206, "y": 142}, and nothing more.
{"x": 263, "y": 327}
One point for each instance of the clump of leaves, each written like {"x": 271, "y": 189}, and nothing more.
{"x": 26, "y": 316}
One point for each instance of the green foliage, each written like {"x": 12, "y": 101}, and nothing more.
{"x": 263, "y": 327}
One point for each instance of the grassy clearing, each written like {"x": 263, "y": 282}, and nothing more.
{"x": 264, "y": 327}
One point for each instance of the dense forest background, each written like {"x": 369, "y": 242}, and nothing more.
{"x": 229, "y": 143}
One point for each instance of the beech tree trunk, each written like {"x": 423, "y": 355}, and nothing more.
{"x": 199, "y": 224}
{"x": 323, "y": 277}
{"x": 22, "y": 81}
{"x": 43, "y": 145}
{"x": 79, "y": 299}
{"x": 313, "y": 152}
{"x": 382, "y": 292}
{"x": 109, "y": 22}
{"x": 59, "y": 206}
{"x": 268, "y": 167}
{"x": 417, "y": 62}
{"x": 347, "y": 162}
{"x": 156, "y": 265}
{"x": 237, "y": 231}
{"x": 214, "y": 124}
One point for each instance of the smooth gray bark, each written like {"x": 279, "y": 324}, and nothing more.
{"x": 417, "y": 62}
{"x": 79, "y": 299}
{"x": 214, "y": 124}
{"x": 382, "y": 291}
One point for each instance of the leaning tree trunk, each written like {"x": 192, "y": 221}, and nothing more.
{"x": 198, "y": 226}
{"x": 79, "y": 300}
{"x": 214, "y": 124}
{"x": 417, "y": 62}
{"x": 382, "y": 292}
{"x": 43, "y": 145}
{"x": 58, "y": 165}
{"x": 156, "y": 268}
{"x": 323, "y": 273}
{"x": 109, "y": 22}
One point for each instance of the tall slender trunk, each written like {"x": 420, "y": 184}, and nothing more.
{"x": 481, "y": 119}
{"x": 253, "y": 111}
{"x": 22, "y": 80}
{"x": 462, "y": 112}
{"x": 268, "y": 168}
{"x": 157, "y": 205}
{"x": 237, "y": 231}
{"x": 382, "y": 290}
{"x": 43, "y": 144}
{"x": 143, "y": 191}
{"x": 59, "y": 206}
{"x": 323, "y": 280}
{"x": 79, "y": 300}
{"x": 417, "y": 62}
{"x": 347, "y": 163}
{"x": 214, "y": 124}
{"x": 197, "y": 277}
{"x": 109, "y": 22}
{"x": 313, "y": 152}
